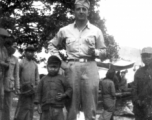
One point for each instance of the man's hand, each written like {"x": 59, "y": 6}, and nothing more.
{"x": 17, "y": 91}
{"x": 60, "y": 96}
{"x": 91, "y": 52}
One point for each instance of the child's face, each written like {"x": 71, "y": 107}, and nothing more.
{"x": 29, "y": 54}
{"x": 53, "y": 69}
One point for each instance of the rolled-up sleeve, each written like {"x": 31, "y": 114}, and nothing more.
{"x": 55, "y": 42}
{"x": 100, "y": 40}
{"x": 100, "y": 50}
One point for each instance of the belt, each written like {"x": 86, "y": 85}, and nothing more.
{"x": 81, "y": 60}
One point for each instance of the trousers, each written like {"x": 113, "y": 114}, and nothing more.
{"x": 84, "y": 80}
{"x": 25, "y": 108}
{"x": 52, "y": 114}
{"x": 7, "y": 105}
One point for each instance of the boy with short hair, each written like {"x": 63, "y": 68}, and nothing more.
{"x": 52, "y": 91}
{"x": 29, "y": 78}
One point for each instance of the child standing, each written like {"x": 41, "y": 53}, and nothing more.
{"x": 29, "y": 78}
{"x": 52, "y": 91}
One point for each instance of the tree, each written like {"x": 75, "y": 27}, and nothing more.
{"x": 32, "y": 25}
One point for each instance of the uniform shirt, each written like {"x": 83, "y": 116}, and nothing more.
{"x": 12, "y": 74}
{"x": 77, "y": 43}
{"x": 107, "y": 88}
{"x": 48, "y": 89}
{"x": 142, "y": 87}
{"x": 28, "y": 72}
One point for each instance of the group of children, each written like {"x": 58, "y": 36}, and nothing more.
{"x": 49, "y": 93}
{"x": 23, "y": 78}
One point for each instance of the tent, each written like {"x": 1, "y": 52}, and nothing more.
{"x": 118, "y": 65}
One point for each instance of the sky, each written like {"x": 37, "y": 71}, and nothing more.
{"x": 129, "y": 21}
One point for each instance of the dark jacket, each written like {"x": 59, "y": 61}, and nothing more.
{"x": 108, "y": 94}
{"x": 142, "y": 87}
{"x": 48, "y": 89}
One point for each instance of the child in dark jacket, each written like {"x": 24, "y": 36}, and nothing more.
{"x": 52, "y": 91}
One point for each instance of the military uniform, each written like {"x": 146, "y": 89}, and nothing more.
{"x": 142, "y": 92}
{"x": 142, "y": 88}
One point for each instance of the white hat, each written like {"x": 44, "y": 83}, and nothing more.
{"x": 147, "y": 50}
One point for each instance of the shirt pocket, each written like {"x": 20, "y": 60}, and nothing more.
{"x": 71, "y": 44}
{"x": 90, "y": 41}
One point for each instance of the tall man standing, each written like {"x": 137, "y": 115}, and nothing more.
{"x": 142, "y": 90}
{"x": 84, "y": 42}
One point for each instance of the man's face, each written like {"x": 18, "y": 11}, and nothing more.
{"x": 146, "y": 58}
{"x": 81, "y": 12}
{"x": 53, "y": 69}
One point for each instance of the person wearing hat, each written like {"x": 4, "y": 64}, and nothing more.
{"x": 29, "y": 78}
{"x": 11, "y": 80}
{"x": 52, "y": 91}
{"x": 83, "y": 42}
{"x": 3, "y": 66}
{"x": 142, "y": 89}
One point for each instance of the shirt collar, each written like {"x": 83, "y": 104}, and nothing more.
{"x": 87, "y": 25}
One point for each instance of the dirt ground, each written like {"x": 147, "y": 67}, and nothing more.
{"x": 81, "y": 116}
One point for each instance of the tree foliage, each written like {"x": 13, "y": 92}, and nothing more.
{"x": 30, "y": 24}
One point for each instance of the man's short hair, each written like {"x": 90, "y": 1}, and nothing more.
{"x": 53, "y": 60}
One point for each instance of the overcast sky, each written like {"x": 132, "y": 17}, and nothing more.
{"x": 129, "y": 21}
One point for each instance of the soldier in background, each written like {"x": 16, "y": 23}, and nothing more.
{"x": 3, "y": 66}
{"x": 142, "y": 89}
